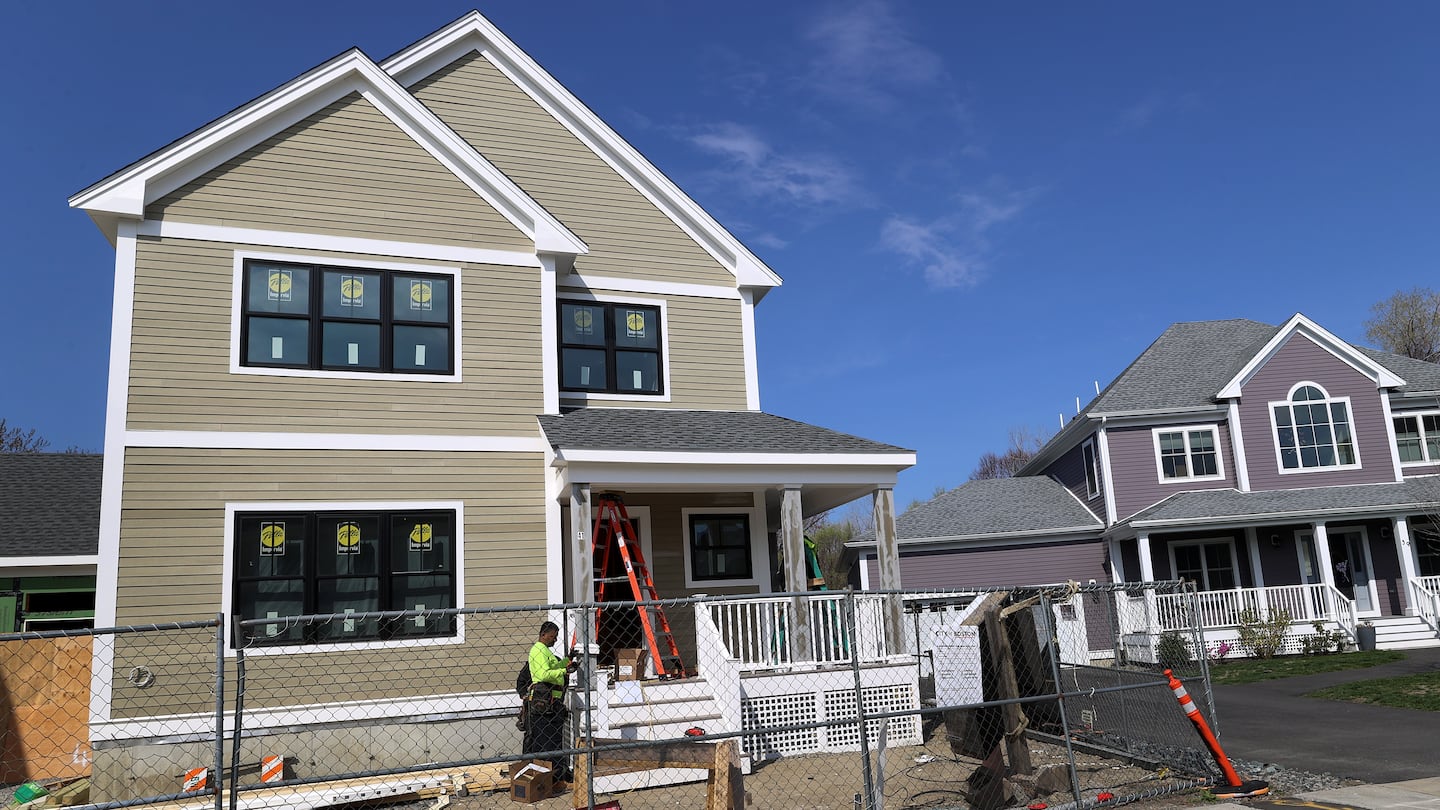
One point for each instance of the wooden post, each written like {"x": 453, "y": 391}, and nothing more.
{"x": 725, "y": 789}
{"x": 580, "y": 794}
{"x": 792, "y": 536}
{"x": 998, "y": 640}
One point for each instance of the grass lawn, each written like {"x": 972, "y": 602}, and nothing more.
{"x": 1420, "y": 691}
{"x": 1260, "y": 669}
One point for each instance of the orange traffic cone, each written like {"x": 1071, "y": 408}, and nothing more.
{"x": 1234, "y": 787}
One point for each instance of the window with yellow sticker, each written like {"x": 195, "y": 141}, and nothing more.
{"x": 610, "y": 348}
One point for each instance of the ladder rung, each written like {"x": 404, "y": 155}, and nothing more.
{"x": 611, "y": 579}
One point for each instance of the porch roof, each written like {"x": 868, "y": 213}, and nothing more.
{"x": 994, "y": 509}
{"x": 49, "y": 504}
{"x": 1216, "y": 506}
{"x": 684, "y": 431}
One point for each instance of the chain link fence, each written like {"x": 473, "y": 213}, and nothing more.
{"x": 985, "y": 698}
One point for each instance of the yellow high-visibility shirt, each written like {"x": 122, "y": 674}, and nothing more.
{"x": 546, "y": 666}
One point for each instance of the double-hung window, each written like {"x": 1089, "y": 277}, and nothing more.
{"x": 1187, "y": 453}
{"x": 308, "y": 316}
{"x": 1210, "y": 565}
{"x": 1312, "y": 430}
{"x": 610, "y": 348}
{"x": 291, "y": 564}
{"x": 1417, "y": 438}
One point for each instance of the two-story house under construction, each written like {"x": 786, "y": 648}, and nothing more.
{"x": 422, "y": 311}
{"x": 1277, "y": 468}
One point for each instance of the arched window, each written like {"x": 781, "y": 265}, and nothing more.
{"x": 1312, "y": 429}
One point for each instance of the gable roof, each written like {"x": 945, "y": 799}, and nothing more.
{"x": 1301, "y": 325}
{"x": 124, "y": 194}
{"x": 1200, "y": 507}
{"x": 682, "y": 431}
{"x": 49, "y": 504}
{"x": 473, "y": 33}
{"x": 996, "y": 508}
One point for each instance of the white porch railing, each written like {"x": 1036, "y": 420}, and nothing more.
{"x": 762, "y": 634}
{"x": 1425, "y": 597}
{"x": 1221, "y": 609}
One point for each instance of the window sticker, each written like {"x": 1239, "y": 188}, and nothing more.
{"x": 352, "y": 291}
{"x": 584, "y": 321}
{"x": 280, "y": 285}
{"x": 272, "y": 539}
{"x": 635, "y": 324}
{"x": 347, "y": 538}
{"x": 421, "y": 293}
{"x": 420, "y": 537}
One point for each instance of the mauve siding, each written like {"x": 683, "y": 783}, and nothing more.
{"x": 1069, "y": 470}
{"x": 1137, "y": 474}
{"x": 1035, "y": 564}
{"x": 1300, "y": 359}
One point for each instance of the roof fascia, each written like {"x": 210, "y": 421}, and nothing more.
{"x": 889, "y": 461}
{"x": 1299, "y": 324}
{"x": 473, "y": 32}
{"x": 1069, "y": 533}
{"x": 126, "y": 193}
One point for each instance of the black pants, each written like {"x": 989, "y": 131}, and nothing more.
{"x": 546, "y": 732}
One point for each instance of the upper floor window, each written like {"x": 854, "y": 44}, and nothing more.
{"x": 338, "y": 319}
{"x": 1312, "y": 430}
{"x": 304, "y": 563}
{"x": 1092, "y": 468}
{"x": 1417, "y": 438}
{"x": 1187, "y": 453}
{"x": 610, "y": 348}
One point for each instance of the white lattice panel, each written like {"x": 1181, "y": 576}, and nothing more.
{"x": 780, "y": 710}
{"x": 878, "y": 699}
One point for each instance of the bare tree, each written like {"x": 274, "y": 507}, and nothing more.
{"x": 1407, "y": 323}
{"x": 1024, "y": 444}
{"x": 19, "y": 440}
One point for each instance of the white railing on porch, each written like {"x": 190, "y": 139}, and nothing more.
{"x": 1221, "y": 609}
{"x": 1425, "y": 597}
{"x": 763, "y": 634}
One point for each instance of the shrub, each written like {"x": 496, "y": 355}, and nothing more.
{"x": 1172, "y": 650}
{"x": 1263, "y": 636}
{"x": 1323, "y": 641}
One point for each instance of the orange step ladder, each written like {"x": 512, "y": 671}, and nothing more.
{"x": 613, "y": 528}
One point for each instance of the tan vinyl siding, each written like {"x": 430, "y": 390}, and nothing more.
{"x": 180, "y": 375}
{"x": 706, "y": 354}
{"x": 628, "y": 236}
{"x": 172, "y": 553}
{"x": 344, "y": 171}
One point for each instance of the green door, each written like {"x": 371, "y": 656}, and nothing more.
{"x": 7, "y": 612}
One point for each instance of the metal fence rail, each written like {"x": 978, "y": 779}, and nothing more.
{"x": 988, "y": 696}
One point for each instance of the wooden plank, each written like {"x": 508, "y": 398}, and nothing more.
{"x": 1016, "y": 748}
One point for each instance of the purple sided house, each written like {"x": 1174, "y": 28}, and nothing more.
{"x": 1274, "y": 467}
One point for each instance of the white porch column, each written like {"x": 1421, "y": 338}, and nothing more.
{"x": 582, "y": 551}
{"x": 1147, "y": 574}
{"x": 792, "y": 543}
{"x": 1322, "y": 553}
{"x": 1252, "y": 543}
{"x": 887, "y": 553}
{"x": 1409, "y": 562}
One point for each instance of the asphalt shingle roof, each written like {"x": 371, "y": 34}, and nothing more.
{"x": 665, "y": 430}
{"x": 997, "y": 506}
{"x": 1219, "y": 504}
{"x": 49, "y": 504}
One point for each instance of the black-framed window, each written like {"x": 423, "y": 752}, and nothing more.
{"x": 720, "y": 547}
{"x": 303, "y": 563}
{"x": 346, "y": 319}
{"x": 1209, "y": 565}
{"x": 609, "y": 348}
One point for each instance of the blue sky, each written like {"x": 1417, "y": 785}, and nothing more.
{"x": 979, "y": 210}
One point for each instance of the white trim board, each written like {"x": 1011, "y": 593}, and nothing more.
{"x": 237, "y": 440}
{"x": 1301, "y": 325}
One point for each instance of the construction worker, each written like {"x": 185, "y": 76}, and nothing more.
{"x": 545, "y": 707}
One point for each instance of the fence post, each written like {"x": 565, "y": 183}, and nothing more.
{"x": 1052, "y": 632}
{"x": 851, "y": 631}
{"x": 1197, "y": 632}
{"x": 234, "y": 781}
{"x": 219, "y": 710}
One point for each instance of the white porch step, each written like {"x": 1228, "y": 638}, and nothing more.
{"x": 1403, "y": 633}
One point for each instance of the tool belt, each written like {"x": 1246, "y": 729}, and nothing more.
{"x": 544, "y": 698}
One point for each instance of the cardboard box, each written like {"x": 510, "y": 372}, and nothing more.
{"x": 530, "y": 781}
{"x": 630, "y": 664}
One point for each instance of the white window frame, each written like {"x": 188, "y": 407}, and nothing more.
{"x": 228, "y": 572}
{"x": 1184, "y": 431}
{"x": 759, "y": 549}
{"x": 1091, "y": 468}
{"x": 1205, "y": 541}
{"x": 1289, "y": 402}
{"x": 580, "y": 397}
{"x": 1419, "y": 417}
{"x": 333, "y": 261}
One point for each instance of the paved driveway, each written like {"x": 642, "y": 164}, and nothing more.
{"x": 1272, "y": 721}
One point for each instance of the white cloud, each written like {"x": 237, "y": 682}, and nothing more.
{"x": 1144, "y": 112}
{"x": 864, "y": 54}
{"x": 954, "y": 250}
{"x": 755, "y": 169}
